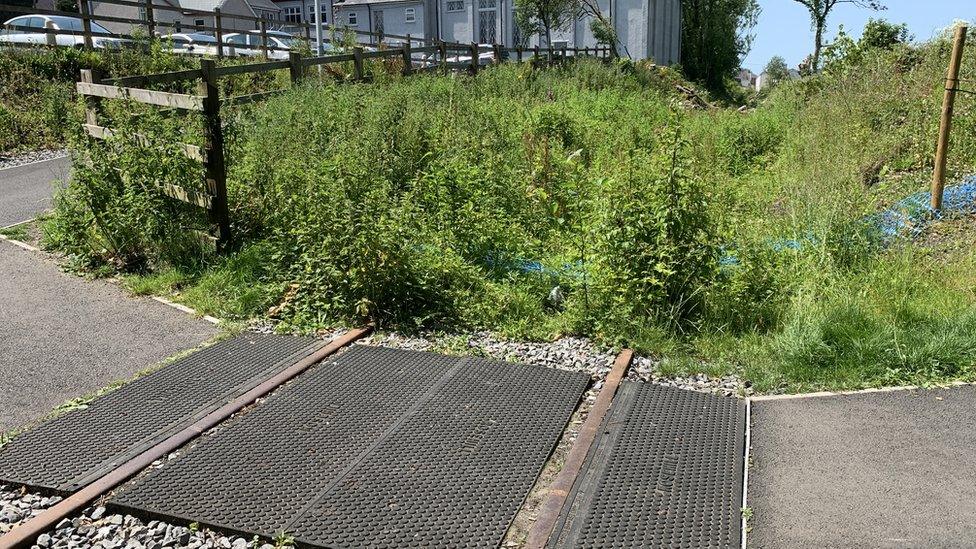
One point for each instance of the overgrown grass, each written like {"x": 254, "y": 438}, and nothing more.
{"x": 584, "y": 199}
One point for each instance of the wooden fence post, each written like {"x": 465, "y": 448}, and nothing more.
{"x": 357, "y": 63}
{"x": 214, "y": 167}
{"x": 218, "y": 23}
{"x": 51, "y": 37}
{"x": 948, "y": 106}
{"x": 85, "y": 11}
{"x": 91, "y": 103}
{"x": 264, "y": 37}
{"x": 474, "y": 58}
{"x": 150, "y": 19}
{"x": 537, "y": 52}
{"x": 407, "y": 58}
{"x": 497, "y": 51}
{"x": 443, "y": 52}
{"x": 295, "y": 69}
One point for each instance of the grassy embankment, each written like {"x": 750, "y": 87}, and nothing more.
{"x": 718, "y": 240}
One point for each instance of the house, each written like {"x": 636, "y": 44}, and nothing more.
{"x": 746, "y": 78}
{"x": 228, "y": 8}
{"x": 397, "y": 17}
{"x": 647, "y": 29}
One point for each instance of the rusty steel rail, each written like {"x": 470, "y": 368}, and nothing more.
{"x": 25, "y": 534}
{"x": 559, "y": 490}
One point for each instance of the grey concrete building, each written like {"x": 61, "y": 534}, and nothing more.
{"x": 647, "y": 29}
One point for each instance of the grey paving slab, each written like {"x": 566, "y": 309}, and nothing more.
{"x": 876, "y": 470}
{"x": 374, "y": 448}
{"x": 73, "y": 450}
{"x": 62, "y": 336}
{"x": 26, "y": 191}
{"x": 666, "y": 472}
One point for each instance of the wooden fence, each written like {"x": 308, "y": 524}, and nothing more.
{"x": 442, "y": 57}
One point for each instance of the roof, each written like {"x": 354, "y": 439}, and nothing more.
{"x": 209, "y": 5}
{"x": 364, "y": 2}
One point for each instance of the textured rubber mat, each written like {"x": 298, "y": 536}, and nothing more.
{"x": 71, "y": 451}
{"x": 375, "y": 447}
{"x": 666, "y": 473}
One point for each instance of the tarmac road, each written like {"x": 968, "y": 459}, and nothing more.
{"x": 62, "y": 336}
{"x": 874, "y": 470}
{"x": 26, "y": 191}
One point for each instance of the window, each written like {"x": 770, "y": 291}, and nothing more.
{"x": 455, "y": 5}
{"x": 353, "y": 19}
{"x": 410, "y": 15}
{"x": 199, "y": 22}
{"x": 293, "y": 14}
{"x": 235, "y": 40}
{"x": 486, "y": 4}
{"x": 325, "y": 12}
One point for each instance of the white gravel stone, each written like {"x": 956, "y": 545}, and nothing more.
{"x": 568, "y": 353}
{"x": 19, "y": 159}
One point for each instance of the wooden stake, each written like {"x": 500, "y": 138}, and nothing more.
{"x": 948, "y": 105}
{"x": 357, "y": 63}
{"x": 84, "y": 8}
{"x": 219, "y": 22}
{"x": 215, "y": 167}
{"x": 407, "y": 58}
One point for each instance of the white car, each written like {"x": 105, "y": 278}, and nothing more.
{"x": 25, "y": 30}
{"x": 249, "y": 44}
{"x": 191, "y": 43}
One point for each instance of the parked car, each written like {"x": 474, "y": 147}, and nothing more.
{"x": 249, "y": 44}
{"x": 25, "y": 29}
{"x": 192, "y": 43}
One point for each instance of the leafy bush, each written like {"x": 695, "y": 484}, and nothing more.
{"x": 656, "y": 253}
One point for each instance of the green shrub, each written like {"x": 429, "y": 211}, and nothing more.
{"x": 656, "y": 252}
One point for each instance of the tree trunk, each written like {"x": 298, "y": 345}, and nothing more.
{"x": 818, "y": 45}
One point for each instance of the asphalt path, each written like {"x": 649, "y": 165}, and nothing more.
{"x": 874, "y": 470}
{"x": 62, "y": 336}
{"x": 26, "y": 191}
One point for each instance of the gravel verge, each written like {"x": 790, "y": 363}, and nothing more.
{"x": 19, "y": 159}
{"x": 98, "y": 529}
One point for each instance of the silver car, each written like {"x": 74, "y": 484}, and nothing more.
{"x": 192, "y": 43}
{"x": 28, "y": 29}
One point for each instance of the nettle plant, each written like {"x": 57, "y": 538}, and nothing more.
{"x": 657, "y": 251}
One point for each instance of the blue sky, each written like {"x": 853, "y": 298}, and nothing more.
{"x": 784, "y": 26}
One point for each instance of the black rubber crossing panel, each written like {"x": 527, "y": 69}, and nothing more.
{"x": 71, "y": 451}
{"x": 666, "y": 472}
{"x": 375, "y": 447}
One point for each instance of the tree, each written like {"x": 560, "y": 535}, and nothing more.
{"x": 601, "y": 27}
{"x": 66, "y": 5}
{"x": 715, "y": 36}
{"x": 881, "y": 34}
{"x": 820, "y": 11}
{"x": 777, "y": 69}
{"x": 544, "y": 16}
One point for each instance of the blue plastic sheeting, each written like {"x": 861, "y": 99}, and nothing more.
{"x": 909, "y": 217}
